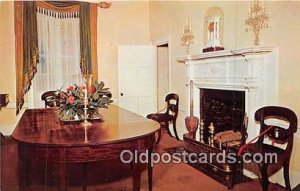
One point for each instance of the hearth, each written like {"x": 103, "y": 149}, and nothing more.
{"x": 224, "y": 108}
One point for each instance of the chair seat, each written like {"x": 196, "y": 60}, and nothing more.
{"x": 264, "y": 149}
{"x": 160, "y": 117}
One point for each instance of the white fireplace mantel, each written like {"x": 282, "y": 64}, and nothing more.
{"x": 253, "y": 70}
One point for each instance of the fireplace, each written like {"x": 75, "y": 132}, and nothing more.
{"x": 230, "y": 83}
{"x": 224, "y": 108}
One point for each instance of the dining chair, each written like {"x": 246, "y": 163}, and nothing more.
{"x": 170, "y": 116}
{"x": 51, "y": 99}
{"x": 278, "y": 125}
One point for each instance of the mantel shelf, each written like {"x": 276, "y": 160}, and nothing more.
{"x": 228, "y": 53}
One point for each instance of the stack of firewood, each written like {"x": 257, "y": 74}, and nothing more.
{"x": 228, "y": 138}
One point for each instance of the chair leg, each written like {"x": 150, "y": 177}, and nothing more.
{"x": 286, "y": 173}
{"x": 168, "y": 128}
{"x": 264, "y": 176}
{"x": 159, "y": 136}
{"x": 175, "y": 130}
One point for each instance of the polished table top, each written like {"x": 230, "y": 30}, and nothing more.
{"x": 43, "y": 127}
{"x": 41, "y": 135}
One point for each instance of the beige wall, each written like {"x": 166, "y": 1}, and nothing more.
{"x": 284, "y": 26}
{"x": 169, "y": 18}
{"x": 124, "y": 23}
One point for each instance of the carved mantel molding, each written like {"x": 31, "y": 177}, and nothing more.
{"x": 253, "y": 70}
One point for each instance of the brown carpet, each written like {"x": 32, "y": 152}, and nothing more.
{"x": 113, "y": 176}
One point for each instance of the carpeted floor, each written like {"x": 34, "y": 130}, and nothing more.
{"x": 113, "y": 176}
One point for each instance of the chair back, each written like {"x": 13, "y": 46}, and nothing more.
{"x": 279, "y": 134}
{"x": 172, "y": 104}
{"x": 51, "y": 99}
{"x": 244, "y": 129}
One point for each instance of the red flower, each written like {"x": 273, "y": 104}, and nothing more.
{"x": 81, "y": 87}
{"x": 70, "y": 88}
{"x": 91, "y": 89}
{"x": 61, "y": 95}
{"x": 71, "y": 99}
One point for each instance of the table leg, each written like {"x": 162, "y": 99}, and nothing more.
{"x": 62, "y": 176}
{"x": 84, "y": 171}
{"x": 136, "y": 176}
{"x": 23, "y": 173}
{"x": 150, "y": 168}
{"x": 23, "y": 163}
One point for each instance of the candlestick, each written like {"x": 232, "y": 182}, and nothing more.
{"x": 85, "y": 95}
{"x": 85, "y": 109}
{"x": 201, "y": 130}
{"x": 191, "y": 98}
{"x": 257, "y": 19}
{"x": 187, "y": 37}
{"x": 211, "y": 131}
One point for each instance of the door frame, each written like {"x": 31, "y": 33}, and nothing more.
{"x": 161, "y": 41}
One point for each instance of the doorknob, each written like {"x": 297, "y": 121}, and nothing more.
{"x": 122, "y": 94}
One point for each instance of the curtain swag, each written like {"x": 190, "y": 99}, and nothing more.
{"x": 27, "y": 54}
{"x": 57, "y": 14}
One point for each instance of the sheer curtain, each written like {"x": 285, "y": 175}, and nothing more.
{"x": 59, "y": 48}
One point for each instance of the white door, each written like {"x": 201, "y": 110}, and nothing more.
{"x": 137, "y": 79}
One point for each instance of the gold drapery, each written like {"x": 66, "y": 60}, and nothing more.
{"x": 26, "y": 43}
{"x": 88, "y": 39}
{"x": 93, "y": 40}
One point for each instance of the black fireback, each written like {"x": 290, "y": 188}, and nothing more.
{"x": 224, "y": 108}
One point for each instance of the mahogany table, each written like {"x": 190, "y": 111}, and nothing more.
{"x": 41, "y": 136}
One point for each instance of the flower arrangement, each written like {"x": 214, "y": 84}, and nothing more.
{"x": 76, "y": 98}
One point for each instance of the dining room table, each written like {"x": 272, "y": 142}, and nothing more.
{"x": 41, "y": 135}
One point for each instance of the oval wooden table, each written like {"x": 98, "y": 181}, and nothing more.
{"x": 41, "y": 135}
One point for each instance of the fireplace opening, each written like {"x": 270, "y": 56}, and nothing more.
{"x": 224, "y": 108}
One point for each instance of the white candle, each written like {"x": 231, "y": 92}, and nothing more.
{"x": 191, "y": 99}
{"x": 85, "y": 95}
{"x": 85, "y": 103}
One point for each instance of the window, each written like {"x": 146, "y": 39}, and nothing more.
{"x": 59, "y": 48}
